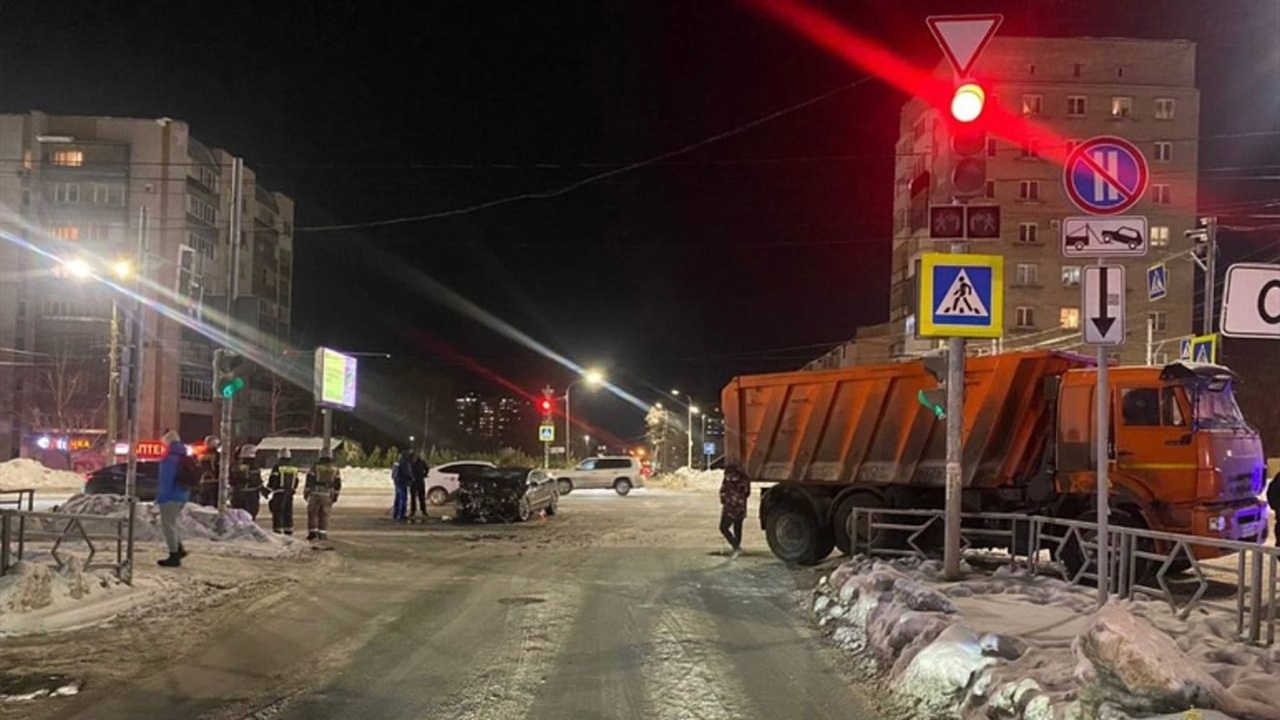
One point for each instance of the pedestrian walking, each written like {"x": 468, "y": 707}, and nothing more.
{"x": 210, "y": 468}
{"x": 402, "y": 480}
{"x": 418, "y": 487}
{"x": 324, "y": 483}
{"x": 1273, "y": 499}
{"x": 282, "y": 483}
{"x": 246, "y": 482}
{"x": 177, "y": 473}
{"x": 734, "y": 491}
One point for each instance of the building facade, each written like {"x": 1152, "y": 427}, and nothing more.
{"x": 1141, "y": 90}
{"x": 73, "y": 190}
{"x": 492, "y": 422}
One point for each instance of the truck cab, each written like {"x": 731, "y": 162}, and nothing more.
{"x": 1183, "y": 458}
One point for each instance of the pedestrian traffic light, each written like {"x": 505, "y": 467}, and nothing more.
{"x": 935, "y": 399}
{"x": 229, "y": 368}
{"x": 968, "y": 141}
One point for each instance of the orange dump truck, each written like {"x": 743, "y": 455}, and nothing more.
{"x": 1183, "y": 459}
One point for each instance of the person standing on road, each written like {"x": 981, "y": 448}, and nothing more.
{"x": 401, "y": 478}
{"x": 418, "y": 488}
{"x": 177, "y": 470}
{"x": 282, "y": 483}
{"x": 207, "y": 494}
{"x": 321, "y": 491}
{"x": 734, "y": 491}
{"x": 1273, "y": 499}
{"x": 246, "y": 483}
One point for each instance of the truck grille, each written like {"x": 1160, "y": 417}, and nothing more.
{"x": 1241, "y": 486}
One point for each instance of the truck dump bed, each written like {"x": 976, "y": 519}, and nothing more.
{"x": 865, "y": 424}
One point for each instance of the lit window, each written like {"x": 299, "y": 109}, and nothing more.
{"x": 1164, "y": 151}
{"x": 1159, "y": 320}
{"x": 1071, "y": 275}
{"x": 1075, "y": 105}
{"x": 1027, "y": 232}
{"x": 66, "y": 232}
{"x": 1024, "y": 317}
{"x": 1028, "y": 274}
{"x": 1031, "y": 104}
{"x": 1160, "y": 193}
{"x": 989, "y": 190}
{"x": 68, "y": 158}
{"x": 1159, "y": 236}
{"x": 1121, "y": 107}
{"x": 1069, "y": 318}
{"x": 1164, "y": 108}
{"x": 1029, "y": 190}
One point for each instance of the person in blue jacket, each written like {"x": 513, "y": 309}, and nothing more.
{"x": 171, "y": 495}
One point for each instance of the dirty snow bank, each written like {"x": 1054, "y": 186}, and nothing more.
{"x": 911, "y": 631}
{"x": 25, "y": 473}
{"x": 33, "y": 586}
{"x": 231, "y": 532}
{"x": 364, "y": 478}
{"x": 689, "y": 479}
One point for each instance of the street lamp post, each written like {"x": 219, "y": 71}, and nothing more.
{"x": 586, "y": 441}
{"x": 122, "y": 269}
{"x": 688, "y": 427}
{"x": 592, "y": 378}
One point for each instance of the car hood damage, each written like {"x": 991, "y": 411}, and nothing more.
{"x": 491, "y": 495}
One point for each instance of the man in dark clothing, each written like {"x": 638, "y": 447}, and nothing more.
{"x": 734, "y": 491}
{"x": 282, "y": 483}
{"x": 418, "y": 486}
{"x": 402, "y": 479}
{"x": 246, "y": 483}
{"x": 207, "y": 494}
{"x": 324, "y": 483}
{"x": 1273, "y": 499}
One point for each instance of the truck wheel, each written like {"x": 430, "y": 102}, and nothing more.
{"x": 1074, "y": 558}
{"x": 840, "y": 519}
{"x": 564, "y": 485}
{"x": 794, "y": 535}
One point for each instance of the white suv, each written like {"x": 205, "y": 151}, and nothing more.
{"x": 442, "y": 481}
{"x": 618, "y": 472}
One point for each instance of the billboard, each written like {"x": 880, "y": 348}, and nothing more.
{"x": 335, "y": 379}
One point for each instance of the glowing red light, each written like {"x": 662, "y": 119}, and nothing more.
{"x": 966, "y": 105}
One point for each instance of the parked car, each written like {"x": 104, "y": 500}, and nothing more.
{"x": 109, "y": 480}
{"x": 442, "y": 482}
{"x": 489, "y": 494}
{"x": 621, "y": 473}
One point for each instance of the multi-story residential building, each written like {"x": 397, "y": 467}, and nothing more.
{"x": 73, "y": 189}
{"x": 491, "y": 422}
{"x": 1140, "y": 90}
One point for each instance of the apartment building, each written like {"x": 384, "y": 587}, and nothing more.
{"x": 1140, "y": 90}
{"x": 73, "y": 189}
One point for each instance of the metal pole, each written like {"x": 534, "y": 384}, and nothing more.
{"x": 955, "y": 449}
{"x": 688, "y": 433}
{"x": 568, "y": 445}
{"x": 135, "y": 362}
{"x": 546, "y": 455}
{"x": 1210, "y": 275}
{"x": 1151, "y": 350}
{"x": 326, "y": 444}
{"x": 225, "y": 431}
{"x": 706, "y": 459}
{"x": 113, "y": 381}
{"x": 426, "y": 422}
{"x": 1103, "y": 460}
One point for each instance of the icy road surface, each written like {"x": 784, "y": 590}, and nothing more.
{"x": 615, "y": 608}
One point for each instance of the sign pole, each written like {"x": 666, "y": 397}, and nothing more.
{"x": 1103, "y": 460}
{"x": 955, "y": 442}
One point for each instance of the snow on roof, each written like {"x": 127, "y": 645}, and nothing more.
{"x": 298, "y": 443}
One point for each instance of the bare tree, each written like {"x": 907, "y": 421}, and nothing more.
{"x": 66, "y": 401}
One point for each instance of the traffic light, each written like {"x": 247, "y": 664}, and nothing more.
{"x": 968, "y": 141}
{"x": 545, "y": 405}
{"x": 229, "y": 367}
{"x": 935, "y": 399}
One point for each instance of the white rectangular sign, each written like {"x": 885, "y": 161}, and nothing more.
{"x": 1099, "y": 236}
{"x": 1102, "y": 304}
{"x": 1251, "y": 301}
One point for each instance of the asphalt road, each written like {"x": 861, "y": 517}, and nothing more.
{"x": 616, "y": 608}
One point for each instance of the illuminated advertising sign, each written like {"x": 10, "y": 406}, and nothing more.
{"x": 335, "y": 379}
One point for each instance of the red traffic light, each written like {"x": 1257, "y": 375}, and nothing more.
{"x": 968, "y": 102}
{"x": 545, "y": 404}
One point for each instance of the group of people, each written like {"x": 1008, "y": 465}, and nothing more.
{"x": 180, "y": 476}
{"x": 409, "y": 476}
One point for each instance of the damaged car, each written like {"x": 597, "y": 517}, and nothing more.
{"x": 505, "y": 494}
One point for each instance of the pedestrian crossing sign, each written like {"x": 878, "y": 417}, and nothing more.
{"x": 961, "y": 295}
{"x": 1157, "y": 281}
{"x": 1204, "y": 349}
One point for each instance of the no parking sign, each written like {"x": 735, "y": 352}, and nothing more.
{"x": 1105, "y": 175}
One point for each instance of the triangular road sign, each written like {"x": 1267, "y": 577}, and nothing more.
{"x": 962, "y": 37}
{"x": 961, "y": 299}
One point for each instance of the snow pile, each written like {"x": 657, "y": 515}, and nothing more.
{"x": 231, "y": 531}
{"x": 365, "y": 478}
{"x": 32, "y": 586}
{"x": 25, "y": 473}
{"x": 689, "y": 479}
{"x": 1034, "y": 649}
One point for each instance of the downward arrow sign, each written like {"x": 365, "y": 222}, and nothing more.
{"x": 1104, "y": 321}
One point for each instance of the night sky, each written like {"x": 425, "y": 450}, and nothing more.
{"x": 750, "y": 253}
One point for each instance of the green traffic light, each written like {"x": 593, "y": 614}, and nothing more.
{"x": 231, "y": 387}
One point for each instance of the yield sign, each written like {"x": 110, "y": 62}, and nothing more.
{"x": 962, "y": 37}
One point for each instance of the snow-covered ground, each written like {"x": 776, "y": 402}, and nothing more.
{"x": 24, "y": 473}
{"x": 1014, "y": 645}
{"x": 689, "y": 479}
{"x": 366, "y": 478}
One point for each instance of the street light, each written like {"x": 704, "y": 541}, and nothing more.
{"x": 586, "y": 440}
{"x": 79, "y": 269}
{"x": 688, "y": 428}
{"x": 593, "y": 378}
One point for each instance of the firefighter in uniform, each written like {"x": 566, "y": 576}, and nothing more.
{"x": 246, "y": 483}
{"x": 281, "y": 486}
{"x": 321, "y": 492}
{"x": 207, "y": 492}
